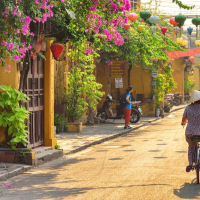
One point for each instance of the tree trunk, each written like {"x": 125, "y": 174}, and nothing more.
{"x": 91, "y": 114}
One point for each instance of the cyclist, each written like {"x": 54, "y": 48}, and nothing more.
{"x": 192, "y": 116}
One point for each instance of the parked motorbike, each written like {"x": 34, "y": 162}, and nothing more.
{"x": 177, "y": 98}
{"x": 106, "y": 111}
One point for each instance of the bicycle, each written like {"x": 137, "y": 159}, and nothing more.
{"x": 195, "y": 156}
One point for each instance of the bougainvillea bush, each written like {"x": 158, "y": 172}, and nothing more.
{"x": 16, "y": 19}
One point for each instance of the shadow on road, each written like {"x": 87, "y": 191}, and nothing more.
{"x": 188, "y": 191}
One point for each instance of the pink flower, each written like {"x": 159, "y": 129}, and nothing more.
{"x": 8, "y": 67}
{"x": 16, "y": 57}
{"x": 10, "y": 46}
{"x": 62, "y": 1}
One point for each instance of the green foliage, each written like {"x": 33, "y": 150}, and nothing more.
{"x": 188, "y": 85}
{"x": 60, "y": 123}
{"x": 57, "y": 146}
{"x": 164, "y": 84}
{"x": 181, "y": 5}
{"x": 144, "y": 48}
{"x": 13, "y": 116}
{"x": 82, "y": 85}
{"x": 159, "y": 89}
{"x": 29, "y": 149}
{"x": 22, "y": 156}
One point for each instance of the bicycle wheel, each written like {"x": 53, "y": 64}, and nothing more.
{"x": 177, "y": 101}
{"x": 102, "y": 115}
{"x": 197, "y": 172}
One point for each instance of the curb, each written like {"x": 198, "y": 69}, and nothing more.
{"x": 102, "y": 140}
{"x": 15, "y": 172}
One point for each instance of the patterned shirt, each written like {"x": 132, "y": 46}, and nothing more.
{"x": 192, "y": 113}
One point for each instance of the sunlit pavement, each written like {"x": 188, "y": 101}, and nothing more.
{"x": 146, "y": 164}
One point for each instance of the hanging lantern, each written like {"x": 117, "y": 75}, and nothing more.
{"x": 132, "y": 16}
{"x": 176, "y": 30}
{"x": 154, "y": 19}
{"x": 197, "y": 42}
{"x": 184, "y": 42}
{"x": 164, "y": 30}
{"x": 145, "y": 15}
{"x": 196, "y": 22}
{"x": 127, "y": 26}
{"x": 56, "y": 50}
{"x": 172, "y": 21}
{"x": 148, "y": 22}
{"x": 179, "y": 40}
{"x": 140, "y": 27}
{"x": 191, "y": 59}
{"x": 180, "y": 19}
{"x": 153, "y": 29}
{"x": 189, "y": 30}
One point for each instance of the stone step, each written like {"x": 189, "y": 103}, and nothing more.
{"x": 46, "y": 156}
{"x": 41, "y": 149}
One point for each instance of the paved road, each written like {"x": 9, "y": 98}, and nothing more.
{"x": 147, "y": 164}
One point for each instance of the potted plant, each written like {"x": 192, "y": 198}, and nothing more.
{"x": 60, "y": 123}
{"x": 76, "y": 106}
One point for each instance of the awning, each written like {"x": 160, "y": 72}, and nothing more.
{"x": 178, "y": 54}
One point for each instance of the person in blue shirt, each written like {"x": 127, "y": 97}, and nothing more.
{"x": 127, "y": 109}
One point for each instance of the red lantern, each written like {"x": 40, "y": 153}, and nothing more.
{"x": 164, "y": 30}
{"x": 173, "y": 22}
{"x": 191, "y": 59}
{"x": 127, "y": 26}
{"x": 56, "y": 50}
{"x": 132, "y": 16}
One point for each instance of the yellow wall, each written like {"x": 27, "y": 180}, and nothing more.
{"x": 178, "y": 66}
{"x": 61, "y": 76}
{"x": 12, "y": 79}
{"x": 139, "y": 79}
{"x": 196, "y": 75}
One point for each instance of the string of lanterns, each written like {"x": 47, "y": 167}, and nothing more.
{"x": 177, "y": 22}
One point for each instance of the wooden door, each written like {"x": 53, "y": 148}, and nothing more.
{"x": 35, "y": 91}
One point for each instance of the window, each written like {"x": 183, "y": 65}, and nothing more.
{"x": 134, "y": 4}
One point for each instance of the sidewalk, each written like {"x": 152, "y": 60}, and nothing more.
{"x": 91, "y": 135}
{"x": 98, "y": 133}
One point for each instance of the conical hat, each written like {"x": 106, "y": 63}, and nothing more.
{"x": 195, "y": 96}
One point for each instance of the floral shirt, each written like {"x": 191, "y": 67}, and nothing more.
{"x": 192, "y": 113}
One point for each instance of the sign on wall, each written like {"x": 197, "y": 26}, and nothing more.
{"x": 118, "y": 83}
{"x": 117, "y": 69}
{"x": 154, "y": 74}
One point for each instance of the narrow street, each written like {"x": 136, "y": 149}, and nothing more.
{"x": 147, "y": 164}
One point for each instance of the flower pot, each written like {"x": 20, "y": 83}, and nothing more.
{"x": 158, "y": 112}
{"x": 74, "y": 127}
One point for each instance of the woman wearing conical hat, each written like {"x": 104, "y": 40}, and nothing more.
{"x": 192, "y": 116}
